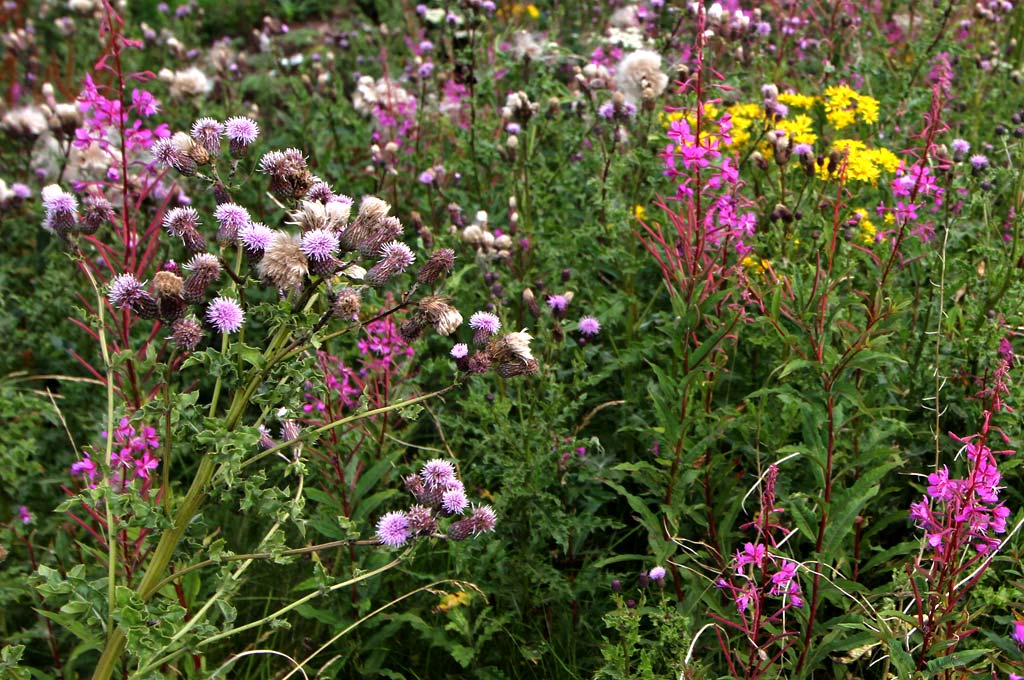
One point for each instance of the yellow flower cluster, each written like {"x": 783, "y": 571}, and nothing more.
{"x": 744, "y": 117}
{"x": 799, "y": 128}
{"x": 844, "y": 106}
{"x": 797, "y": 101}
{"x": 756, "y": 264}
{"x": 866, "y": 226}
{"x": 862, "y": 164}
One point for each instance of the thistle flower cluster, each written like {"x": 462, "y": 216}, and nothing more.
{"x": 131, "y": 457}
{"x": 439, "y": 496}
{"x": 509, "y": 354}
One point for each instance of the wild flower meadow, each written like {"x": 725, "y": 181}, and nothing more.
{"x": 486, "y": 339}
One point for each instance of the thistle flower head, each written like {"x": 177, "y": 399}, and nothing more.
{"x": 179, "y": 221}
{"x": 124, "y": 289}
{"x": 57, "y": 200}
{"x": 454, "y": 501}
{"x": 346, "y": 304}
{"x": 206, "y": 264}
{"x": 225, "y": 314}
{"x": 207, "y": 132}
{"x": 284, "y": 264}
{"x": 319, "y": 244}
{"x": 459, "y": 351}
{"x": 187, "y": 332}
{"x": 589, "y": 326}
{"x": 241, "y": 131}
{"x": 440, "y": 262}
{"x": 393, "y": 529}
{"x": 232, "y": 215}
{"x": 484, "y": 519}
{"x": 485, "y": 321}
{"x": 395, "y": 259}
{"x": 255, "y": 237}
{"x": 438, "y": 473}
{"x": 421, "y": 519}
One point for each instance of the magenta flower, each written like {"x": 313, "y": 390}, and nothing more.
{"x": 144, "y": 465}
{"x": 393, "y": 529}
{"x": 24, "y": 515}
{"x": 1018, "y": 632}
{"x": 231, "y": 217}
{"x": 225, "y": 314}
{"x": 751, "y": 554}
{"x": 85, "y": 466}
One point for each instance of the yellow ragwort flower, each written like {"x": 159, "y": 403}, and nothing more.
{"x": 844, "y": 106}
{"x": 797, "y": 101}
{"x": 799, "y": 128}
{"x": 866, "y": 227}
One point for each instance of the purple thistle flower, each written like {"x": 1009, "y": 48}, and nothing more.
{"x": 485, "y": 321}
{"x": 484, "y": 519}
{"x": 231, "y": 217}
{"x": 558, "y": 303}
{"x": 454, "y": 501}
{"x": 225, "y": 314}
{"x": 179, "y": 221}
{"x": 438, "y": 473}
{"x": 207, "y": 132}
{"x": 124, "y": 289}
{"x": 459, "y": 351}
{"x": 319, "y": 244}
{"x": 589, "y": 326}
{"x": 656, "y": 574}
{"x": 59, "y": 201}
{"x": 960, "y": 147}
{"x": 393, "y": 529}
{"x": 241, "y": 130}
{"x": 979, "y": 161}
{"x": 398, "y": 254}
{"x": 255, "y": 237}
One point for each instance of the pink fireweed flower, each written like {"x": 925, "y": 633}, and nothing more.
{"x": 225, "y": 314}
{"x": 1018, "y": 632}
{"x": 751, "y": 554}
{"x": 24, "y": 515}
{"x": 85, "y": 466}
{"x": 393, "y": 529}
{"x": 145, "y": 465}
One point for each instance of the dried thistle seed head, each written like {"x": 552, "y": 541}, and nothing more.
{"x": 514, "y": 368}
{"x": 346, "y": 304}
{"x": 511, "y": 347}
{"x": 440, "y": 263}
{"x": 330, "y": 216}
{"x": 412, "y": 328}
{"x": 284, "y": 264}
{"x": 436, "y": 310}
{"x": 167, "y": 284}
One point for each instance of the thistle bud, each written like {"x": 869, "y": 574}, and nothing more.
{"x": 440, "y": 263}
{"x": 187, "y": 332}
{"x": 205, "y": 270}
{"x": 346, "y": 304}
